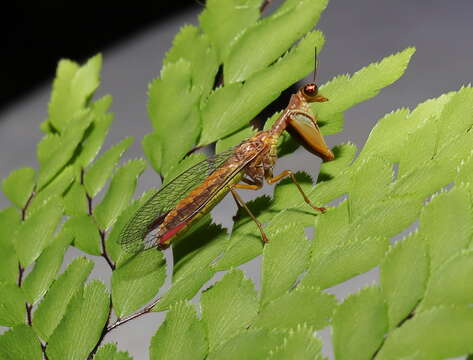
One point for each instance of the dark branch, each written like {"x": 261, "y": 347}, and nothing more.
{"x": 102, "y": 335}
{"x": 20, "y": 274}
{"x": 104, "y": 250}
{"x": 264, "y": 5}
{"x": 145, "y": 310}
{"x": 43, "y": 349}
{"x": 28, "y": 314}
{"x": 25, "y": 208}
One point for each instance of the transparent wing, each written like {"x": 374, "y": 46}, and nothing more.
{"x": 138, "y": 234}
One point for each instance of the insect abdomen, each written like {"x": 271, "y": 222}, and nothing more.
{"x": 179, "y": 228}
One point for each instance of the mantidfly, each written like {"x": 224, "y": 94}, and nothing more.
{"x": 182, "y": 202}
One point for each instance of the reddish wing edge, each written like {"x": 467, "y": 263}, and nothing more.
{"x": 138, "y": 234}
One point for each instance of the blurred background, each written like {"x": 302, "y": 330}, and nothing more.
{"x": 133, "y": 38}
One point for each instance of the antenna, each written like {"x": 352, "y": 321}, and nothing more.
{"x": 315, "y": 63}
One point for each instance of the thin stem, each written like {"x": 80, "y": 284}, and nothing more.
{"x": 89, "y": 204}
{"x": 20, "y": 274}
{"x": 104, "y": 332}
{"x": 21, "y": 270}
{"x": 101, "y": 232}
{"x": 194, "y": 149}
{"x": 264, "y": 5}
{"x": 408, "y": 317}
{"x": 104, "y": 250}
{"x": 107, "y": 328}
{"x": 28, "y": 202}
{"x": 43, "y": 349}
{"x": 89, "y": 198}
{"x": 145, "y": 310}
{"x": 28, "y": 313}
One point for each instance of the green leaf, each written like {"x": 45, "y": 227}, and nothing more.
{"x": 197, "y": 250}
{"x": 152, "y": 149}
{"x": 97, "y": 175}
{"x": 228, "y": 307}
{"x": 72, "y": 88}
{"x": 81, "y": 327}
{"x": 386, "y": 139}
{"x": 57, "y": 187}
{"x": 85, "y": 233}
{"x": 46, "y": 267}
{"x": 233, "y": 106}
{"x": 404, "y": 275}
{"x": 184, "y": 288}
{"x": 75, "y": 201}
{"x": 181, "y": 336}
{"x": 12, "y": 305}
{"x": 53, "y": 307}
{"x": 345, "y": 260}
{"x": 422, "y": 142}
{"x": 285, "y": 257}
{"x": 387, "y": 217}
{"x": 19, "y": 185}
{"x": 454, "y": 151}
{"x": 286, "y": 194}
{"x": 424, "y": 181}
{"x": 443, "y": 332}
{"x": 332, "y": 124}
{"x": 35, "y": 233}
{"x": 47, "y": 146}
{"x": 359, "y": 325}
{"x": 110, "y": 352}
{"x": 68, "y": 143}
{"x": 112, "y": 240}
{"x": 332, "y": 228}
{"x": 345, "y": 91}
{"x": 450, "y": 283}
{"x": 119, "y": 194}
{"x": 344, "y": 155}
{"x": 369, "y": 183}
{"x": 192, "y": 45}
{"x": 245, "y": 241}
{"x": 102, "y": 105}
{"x": 457, "y": 115}
{"x": 465, "y": 171}
{"x": 301, "y": 306}
{"x": 9, "y": 224}
{"x": 299, "y": 344}
{"x": 95, "y": 138}
{"x": 253, "y": 344}
{"x": 20, "y": 343}
{"x": 172, "y": 102}
{"x": 272, "y": 36}
{"x": 238, "y": 15}
{"x": 447, "y": 211}
{"x": 137, "y": 281}
{"x": 327, "y": 191}
{"x": 234, "y": 139}
{"x": 182, "y": 166}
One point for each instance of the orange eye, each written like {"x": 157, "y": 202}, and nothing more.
{"x": 311, "y": 90}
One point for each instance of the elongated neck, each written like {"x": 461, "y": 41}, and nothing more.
{"x": 281, "y": 123}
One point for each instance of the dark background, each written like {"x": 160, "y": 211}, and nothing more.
{"x": 38, "y": 33}
{"x": 133, "y": 39}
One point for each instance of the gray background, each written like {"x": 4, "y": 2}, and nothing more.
{"x": 357, "y": 32}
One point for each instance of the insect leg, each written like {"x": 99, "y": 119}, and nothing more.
{"x": 289, "y": 173}
{"x": 239, "y": 200}
{"x": 248, "y": 186}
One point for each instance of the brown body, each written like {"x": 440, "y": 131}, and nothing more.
{"x": 252, "y": 162}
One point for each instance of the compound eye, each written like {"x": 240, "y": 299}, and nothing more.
{"x": 311, "y": 90}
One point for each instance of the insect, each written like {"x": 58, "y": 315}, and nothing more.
{"x": 183, "y": 201}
